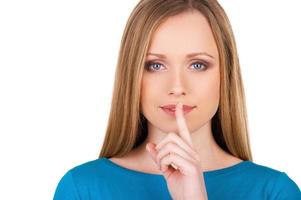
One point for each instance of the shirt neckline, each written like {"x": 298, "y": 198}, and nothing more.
{"x": 238, "y": 166}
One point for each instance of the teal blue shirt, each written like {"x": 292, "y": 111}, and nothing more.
{"x": 103, "y": 179}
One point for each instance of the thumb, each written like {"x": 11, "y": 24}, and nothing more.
{"x": 150, "y": 147}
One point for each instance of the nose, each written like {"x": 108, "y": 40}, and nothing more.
{"x": 177, "y": 87}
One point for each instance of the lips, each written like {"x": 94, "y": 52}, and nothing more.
{"x": 171, "y": 109}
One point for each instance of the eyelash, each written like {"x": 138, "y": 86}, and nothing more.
{"x": 149, "y": 63}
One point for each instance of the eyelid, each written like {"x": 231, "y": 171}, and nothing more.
{"x": 192, "y": 60}
{"x": 159, "y": 61}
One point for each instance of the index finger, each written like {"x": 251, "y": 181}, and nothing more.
{"x": 183, "y": 130}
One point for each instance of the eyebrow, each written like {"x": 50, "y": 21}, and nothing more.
{"x": 188, "y": 55}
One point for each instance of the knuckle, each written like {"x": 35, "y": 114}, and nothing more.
{"x": 177, "y": 139}
{"x": 172, "y": 135}
{"x": 170, "y": 145}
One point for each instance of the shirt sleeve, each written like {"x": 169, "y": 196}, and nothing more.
{"x": 66, "y": 189}
{"x": 285, "y": 188}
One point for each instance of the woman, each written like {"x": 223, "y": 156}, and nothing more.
{"x": 178, "y": 124}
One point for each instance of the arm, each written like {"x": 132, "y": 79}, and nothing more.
{"x": 285, "y": 188}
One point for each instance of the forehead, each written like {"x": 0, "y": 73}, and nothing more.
{"x": 182, "y": 34}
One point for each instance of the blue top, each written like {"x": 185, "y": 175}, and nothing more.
{"x": 103, "y": 179}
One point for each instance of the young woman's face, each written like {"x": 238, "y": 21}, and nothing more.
{"x": 194, "y": 81}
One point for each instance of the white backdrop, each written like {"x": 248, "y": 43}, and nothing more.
{"x": 57, "y": 64}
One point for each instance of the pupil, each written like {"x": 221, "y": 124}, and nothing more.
{"x": 156, "y": 66}
{"x": 199, "y": 65}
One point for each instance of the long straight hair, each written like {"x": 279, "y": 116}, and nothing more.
{"x": 127, "y": 127}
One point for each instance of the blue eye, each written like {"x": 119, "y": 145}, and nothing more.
{"x": 199, "y": 66}
{"x": 148, "y": 65}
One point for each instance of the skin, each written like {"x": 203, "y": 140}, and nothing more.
{"x": 179, "y": 162}
{"x": 193, "y": 81}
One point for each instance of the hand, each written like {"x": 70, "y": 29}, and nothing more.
{"x": 179, "y": 162}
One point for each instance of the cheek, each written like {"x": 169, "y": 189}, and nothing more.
{"x": 150, "y": 103}
{"x": 148, "y": 96}
{"x": 210, "y": 92}
{"x": 207, "y": 101}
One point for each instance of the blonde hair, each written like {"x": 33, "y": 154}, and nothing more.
{"x": 127, "y": 127}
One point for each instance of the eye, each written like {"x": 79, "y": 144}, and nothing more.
{"x": 153, "y": 65}
{"x": 199, "y": 66}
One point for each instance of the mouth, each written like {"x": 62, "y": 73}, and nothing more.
{"x": 171, "y": 109}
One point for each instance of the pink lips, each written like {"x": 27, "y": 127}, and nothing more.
{"x": 171, "y": 109}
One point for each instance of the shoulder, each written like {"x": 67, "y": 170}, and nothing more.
{"x": 81, "y": 178}
{"x": 86, "y": 172}
{"x": 278, "y": 184}
{"x": 262, "y": 170}
{"x": 285, "y": 188}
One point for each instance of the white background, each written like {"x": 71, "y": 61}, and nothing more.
{"x": 57, "y": 64}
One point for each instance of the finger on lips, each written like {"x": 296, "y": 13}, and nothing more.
{"x": 174, "y": 149}
{"x": 183, "y": 130}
